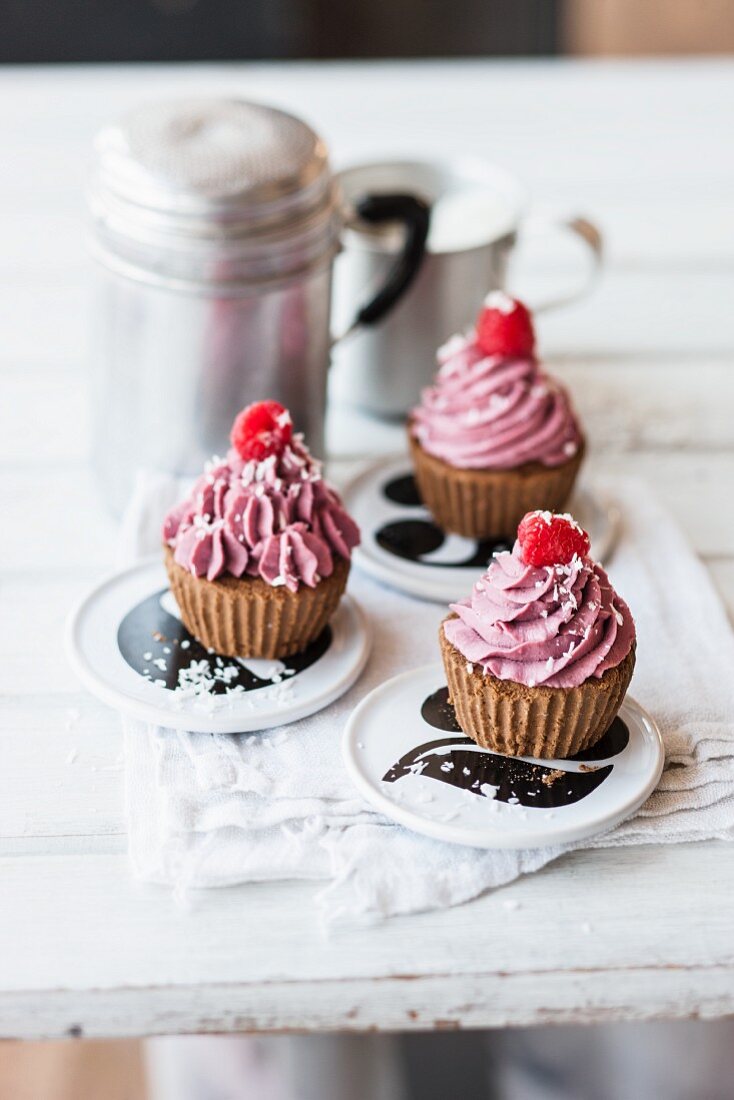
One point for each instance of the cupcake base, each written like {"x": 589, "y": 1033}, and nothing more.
{"x": 545, "y": 722}
{"x": 246, "y": 617}
{"x": 486, "y": 504}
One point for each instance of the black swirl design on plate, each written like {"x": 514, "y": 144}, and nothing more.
{"x": 505, "y": 778}
{"x": 458, "y": 761}
{"x": 439, "y": 712}
{"x": 414, "y": 537}
{"x": 158, "y": 647}
{"x": 614, "y": 741}
{"x": 403, "y": 490}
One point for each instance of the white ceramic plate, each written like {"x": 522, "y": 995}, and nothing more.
{"x": 128, "y": 645}
{"x": 403, "y": 547}
{"x": 407, "y": 756}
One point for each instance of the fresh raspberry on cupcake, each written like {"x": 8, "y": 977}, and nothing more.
{"x": 549, "y": 539}
{"x": 505, "y": 327}
{"x": 261, "y": 430}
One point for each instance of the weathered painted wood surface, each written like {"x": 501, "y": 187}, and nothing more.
{"x": 650, "y": 357}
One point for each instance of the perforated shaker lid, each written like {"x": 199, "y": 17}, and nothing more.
{"x": 195, "y": 153}
{"x": 187, "y": 175}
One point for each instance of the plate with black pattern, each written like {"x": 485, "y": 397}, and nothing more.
{"x": 403, "y": 547}
{"x": 127, "y": 644}
{"x": 409, "y": 758}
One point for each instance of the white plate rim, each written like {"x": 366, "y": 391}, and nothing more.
{"x": 229, "y": 721}
{"x": 453, "y": 834}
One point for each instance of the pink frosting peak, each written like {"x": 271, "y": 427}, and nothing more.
{"x": 555, "y": 625}
{"x": 276, "y": 519}
{"x": 489, "y": 412}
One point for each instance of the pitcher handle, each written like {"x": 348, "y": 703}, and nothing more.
{"x": 415, "y": 215}
{"x": 584, "y": 230}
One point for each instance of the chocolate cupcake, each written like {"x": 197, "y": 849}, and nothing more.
{"x": 495, "y": 436}
{"x": 538, "y": 659}
{"x": 258, "y": 554}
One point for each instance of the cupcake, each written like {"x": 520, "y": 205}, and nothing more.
{"x": 539, "y": 658}
{"x": 258, "y": 554}
{"x": 495, "y": 436}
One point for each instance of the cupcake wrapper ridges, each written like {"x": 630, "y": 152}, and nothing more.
{"x": 516, "y": 720}
{"x": 485, "y": 503}
{"x": 249, "y": 618}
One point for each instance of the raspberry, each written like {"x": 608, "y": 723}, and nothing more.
{"x": 260, "y": 430}
{"x": 505, "y": 327}
{"x": 547, "y": 538}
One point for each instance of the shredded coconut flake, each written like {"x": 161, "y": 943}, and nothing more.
{"x": 497, "y": 299}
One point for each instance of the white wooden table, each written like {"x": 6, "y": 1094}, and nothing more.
{"x": 645, "y": 148}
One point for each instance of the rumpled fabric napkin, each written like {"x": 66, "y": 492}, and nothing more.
{"x": 212, "y": 810}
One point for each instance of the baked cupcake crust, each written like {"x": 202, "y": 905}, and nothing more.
{"x": 483, "y": 504}
{"x": 546, "y": 722}
{"x": 246, "y": 617}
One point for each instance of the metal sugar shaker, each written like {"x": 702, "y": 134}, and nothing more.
{"x": 216, "y": 224}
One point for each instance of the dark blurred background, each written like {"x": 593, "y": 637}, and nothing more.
{"x": 208, "y": 30}
{"x": 242, "y": 30}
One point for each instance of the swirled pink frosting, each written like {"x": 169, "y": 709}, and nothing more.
{"x": 486, "y": 412}
{"x": 554, "y": 625}
{"x": 276, "y": 519}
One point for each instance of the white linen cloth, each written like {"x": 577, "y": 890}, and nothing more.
{"x": 212, "y": 810}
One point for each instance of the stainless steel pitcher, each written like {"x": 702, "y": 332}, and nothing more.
{"x": 216, "y": 224}
{"x": 477, "y": 216}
